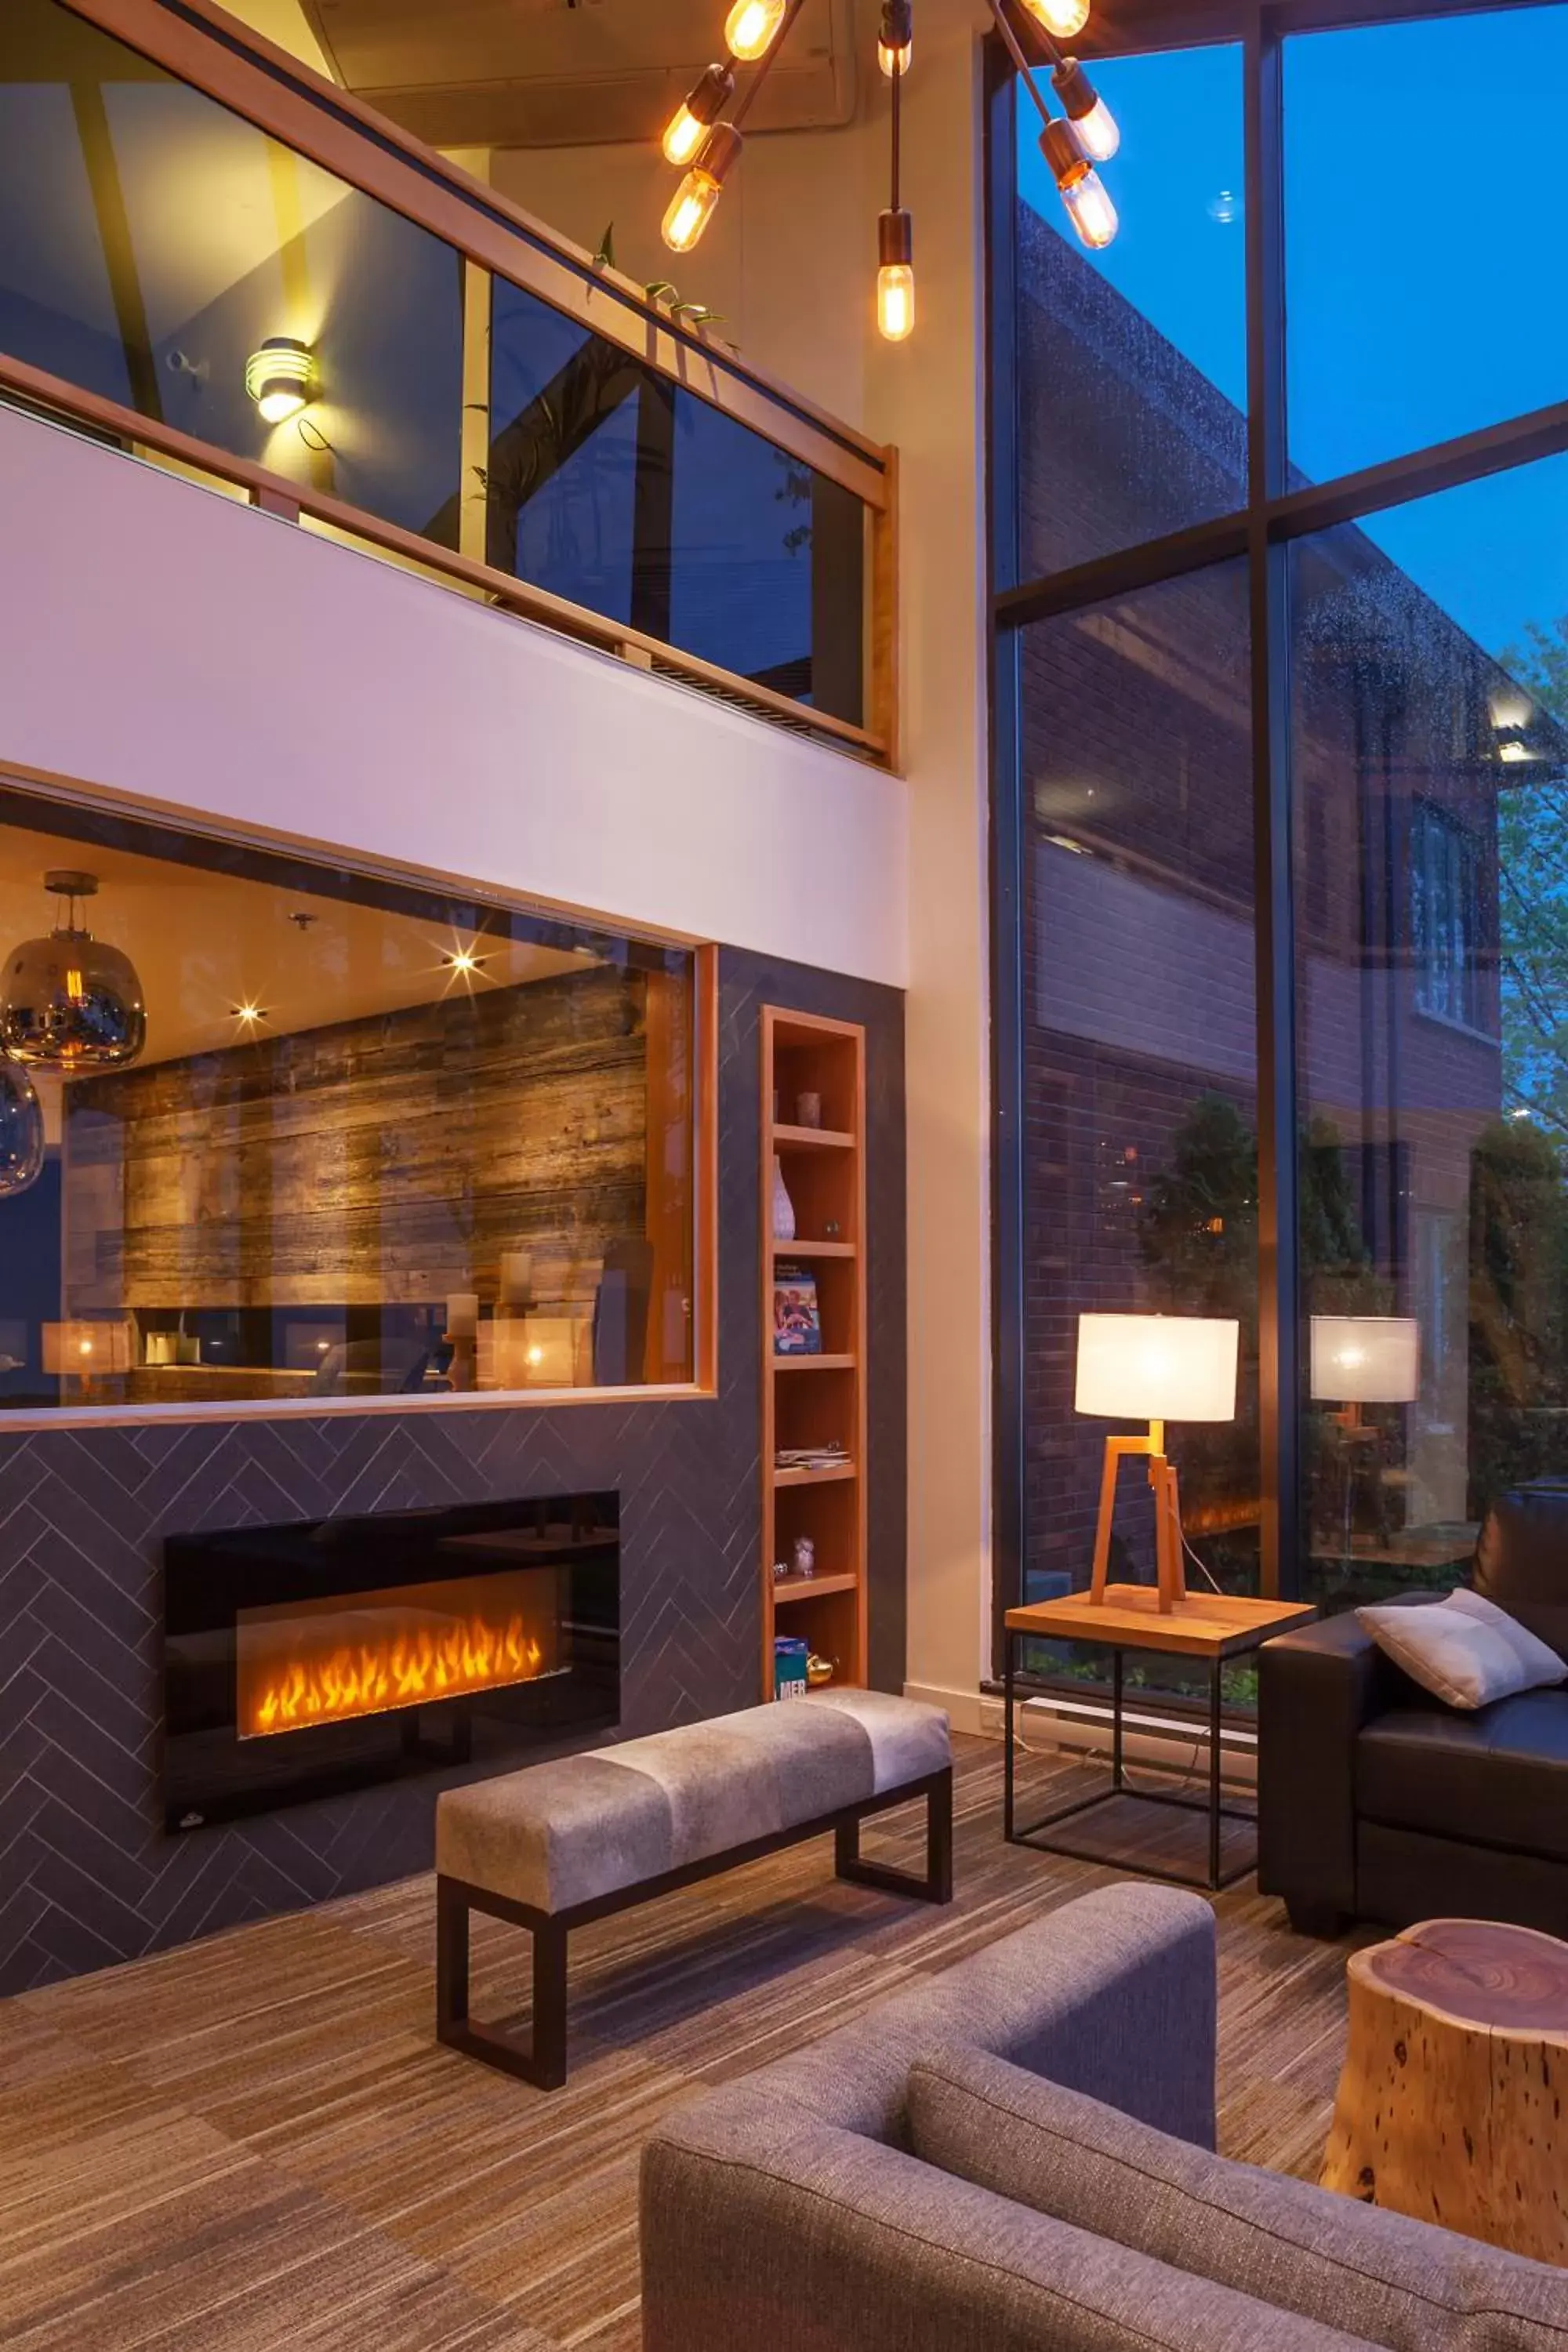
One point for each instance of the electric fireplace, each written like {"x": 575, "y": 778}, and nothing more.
{"x": 303, "y": 1660}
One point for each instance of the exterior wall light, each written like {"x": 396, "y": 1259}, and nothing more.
{"x": 281, "y": 378}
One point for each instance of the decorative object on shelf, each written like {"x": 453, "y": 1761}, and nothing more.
{"x": 1152, "y": 1368}
{"x": 831, "y": 1229}
{"x": 831, "y": 1456}
{"x": 68, "y": 998}
{"x": 783, "y": 1207}
{"x": 781, "y": 1570}
{"x": 803, "y": 1556}
{"x": 797, "y": 1321}
{"x": 706, "y": 147}
{"x": 280, "y": 378}
{"x": 22, "y": 1136}
{"x": 809, "y": 1110}
{"x": 820, "y": 1670}
{"x": 790, "y": 1666}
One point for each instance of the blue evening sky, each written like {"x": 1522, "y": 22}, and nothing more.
{"x": 1425, "y": 272}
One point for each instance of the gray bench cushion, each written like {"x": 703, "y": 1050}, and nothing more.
{"x": 1394, "y": 2280}
{"x": 585, "y": 1826}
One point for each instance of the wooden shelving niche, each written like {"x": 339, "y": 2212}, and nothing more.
{"x": 818, "y": 1400}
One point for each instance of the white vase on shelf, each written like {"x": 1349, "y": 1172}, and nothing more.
{"x": 783, "y": 1207}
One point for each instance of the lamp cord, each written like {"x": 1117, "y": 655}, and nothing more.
{"x": 1019, "y": 59}
{"x": 898, "y": 81}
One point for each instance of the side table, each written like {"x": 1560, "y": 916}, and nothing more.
{"x": 1212, "y": 1626}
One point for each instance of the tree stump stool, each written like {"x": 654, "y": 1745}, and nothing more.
{"x": 1450, "y": 2101}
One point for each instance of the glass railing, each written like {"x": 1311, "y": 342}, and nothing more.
{"x": 223, "y": 264}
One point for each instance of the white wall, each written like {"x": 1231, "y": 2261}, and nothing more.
{"x": 164, "y": 640}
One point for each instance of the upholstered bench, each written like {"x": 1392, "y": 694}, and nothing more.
{"x": 567, "y": 1842}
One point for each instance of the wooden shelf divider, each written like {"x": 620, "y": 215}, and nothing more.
{"x": 825, "y": 1174}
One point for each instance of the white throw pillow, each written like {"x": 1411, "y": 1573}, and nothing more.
{"x": 1463, "y": 1649}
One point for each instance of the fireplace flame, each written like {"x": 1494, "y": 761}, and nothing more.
{"x": 331, "y": 1666}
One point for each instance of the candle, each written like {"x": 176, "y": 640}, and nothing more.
{"x": 462, "y": 1315}
{"x": 516, "y": 1277}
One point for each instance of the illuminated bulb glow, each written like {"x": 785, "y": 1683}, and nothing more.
{"x": 894, "y": 60}
{"x": 463, "y": 959}
{"x": 749, "y": 30}
{"x": 279, "y": 378}
{"x": 249, "y": 1013}
{"x": 895, "y": 301}
{"x": 1064, "y": 20}
{"x": 692, "y": 208}
{"x": 1512, "y": 751}
{"x": 75, "y": 990}
{"x": 1099, "y": 134}
{"x": 683, "y": 135}
{"x": 1091, "y": 210}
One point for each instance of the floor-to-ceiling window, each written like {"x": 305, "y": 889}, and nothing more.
{"x": 1282, "y": 476}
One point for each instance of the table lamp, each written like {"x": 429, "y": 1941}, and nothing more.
{"x": 1152, "y": 1368}
{"x": 86, "y": 1352}
{"x": 1365, "y": 1359}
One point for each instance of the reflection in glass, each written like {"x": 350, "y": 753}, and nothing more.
{"x": 1132, "y": 360}
{"x": 1141, "y": 1158}
{"x": 1431, "y": 875}
{"x": 612, "y": 487}
{"x": 150, "y": 243}
{"x": 378, "y": 1142}
{"x": 1412, "y": 297}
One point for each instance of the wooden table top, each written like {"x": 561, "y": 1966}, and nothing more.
{"x": 1204, "y": 1625}
{"x": 1477, "y": 1972}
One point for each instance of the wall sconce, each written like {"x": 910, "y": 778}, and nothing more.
{"x": 281, "y": 378}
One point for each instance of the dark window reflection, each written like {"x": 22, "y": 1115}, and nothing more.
{"x": 611, "y": 487}
{"x": 151, "y": 241}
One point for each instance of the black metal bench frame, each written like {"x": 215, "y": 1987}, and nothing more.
{"x": 542, "y": 2062}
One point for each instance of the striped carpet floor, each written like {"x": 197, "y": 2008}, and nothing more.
{"x": 254, "y": 2143}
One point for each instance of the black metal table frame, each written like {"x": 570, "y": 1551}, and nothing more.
{"x": 1213, "y": 1804}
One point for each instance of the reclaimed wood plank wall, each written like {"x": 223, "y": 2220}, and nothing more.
{"x": 375, "y": 1162}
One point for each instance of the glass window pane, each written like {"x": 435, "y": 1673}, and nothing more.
{"x": 1133, "y": 362}
{"x": 1414, "y": 273}
{"x": 1140, "y": 1119}
{"x": 151, "y": 241}
{"x": 612, "y": 487}
{"x": 373, "y": 1140}
{"x": 1430, "y": 729}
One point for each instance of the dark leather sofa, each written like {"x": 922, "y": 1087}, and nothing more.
{"x": 1376, "y": 1802}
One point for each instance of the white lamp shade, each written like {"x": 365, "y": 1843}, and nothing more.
{"x": 1157, "y": 1367}
{"x": 1366, "y": 1358}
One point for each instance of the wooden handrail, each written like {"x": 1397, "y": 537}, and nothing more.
{"x": 278, "y": 495}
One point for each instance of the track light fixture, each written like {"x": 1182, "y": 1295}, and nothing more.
{"x": 706, "y": 147}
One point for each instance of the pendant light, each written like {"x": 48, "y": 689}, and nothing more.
{"x": 21, "y": 1129}
{"x": 1069, "y": 142}
{"x": 895, "y": 230}
{"x": 69, "y": 1000}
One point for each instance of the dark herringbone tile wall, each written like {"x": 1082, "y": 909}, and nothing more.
{"x": 86, "y": 1876}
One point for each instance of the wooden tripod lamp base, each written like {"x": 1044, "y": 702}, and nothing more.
{"x": 1170, "y": 1573}
{"x": 1152, "y": 1368}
